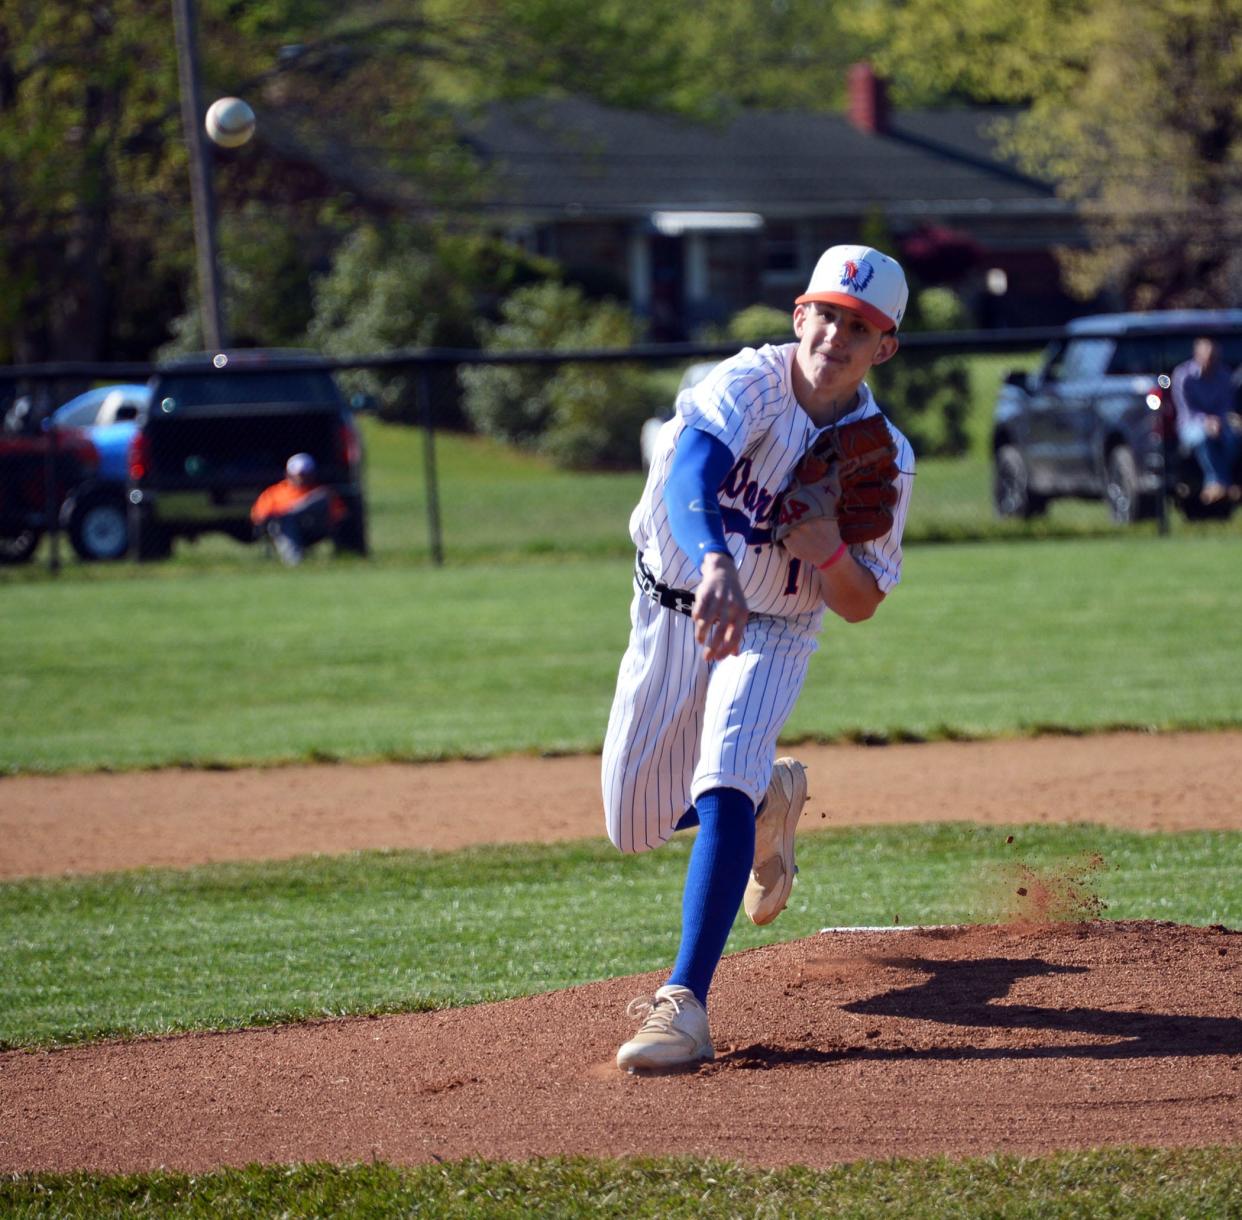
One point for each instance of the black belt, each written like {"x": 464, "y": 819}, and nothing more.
{"x": 681, "y": 600}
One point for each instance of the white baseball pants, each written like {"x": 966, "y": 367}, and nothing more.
{"x": 680, "y": 727}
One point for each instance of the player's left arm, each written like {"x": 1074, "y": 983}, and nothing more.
{"x": 846, "y": 587}
{"x": 854, "y": 579}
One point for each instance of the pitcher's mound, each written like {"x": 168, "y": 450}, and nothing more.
{"x": 964, "y": 1040}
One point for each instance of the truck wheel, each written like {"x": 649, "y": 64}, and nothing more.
{"x": 1011, "y": 486}
{"x": 19, "y": 548}
{"x": 98, "y": 527}
{"x": 351, "y": 534}
{"x": 1121, "y": 486}
{"x": 150, "y": 541}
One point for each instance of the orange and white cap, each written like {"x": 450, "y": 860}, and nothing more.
{"x": 862, "y": 279}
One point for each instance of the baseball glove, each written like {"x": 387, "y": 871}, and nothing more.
{"x": 850, "y": 473}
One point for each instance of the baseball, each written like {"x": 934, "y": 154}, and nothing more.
{"x": 230, "y": 122}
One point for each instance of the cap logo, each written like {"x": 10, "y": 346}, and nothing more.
{"x": 856, "y": 275}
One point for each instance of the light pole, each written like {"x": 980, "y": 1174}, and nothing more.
{"x": 202, "y": 196}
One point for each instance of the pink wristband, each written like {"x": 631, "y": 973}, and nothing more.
{"x": 833, "y": 558}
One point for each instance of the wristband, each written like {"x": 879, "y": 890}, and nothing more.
{"x": 835, "y": 557}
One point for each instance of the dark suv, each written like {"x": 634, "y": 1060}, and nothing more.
{"x": 219, "y": 429}
{"x": 1095, "y": 421}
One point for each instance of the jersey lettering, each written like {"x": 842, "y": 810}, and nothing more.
{"x": 748, "y": 404}
{"x": 738, "y": 485}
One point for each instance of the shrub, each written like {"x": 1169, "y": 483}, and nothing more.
{"x": 389, "y": 290}
{"x": 263, "y": 275}
{"x": 928, "y": 396}
{"x": 579, "y": 415}
{"x": 760, "y": 324}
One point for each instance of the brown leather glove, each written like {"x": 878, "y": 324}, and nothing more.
{"x": 850, "y": 473}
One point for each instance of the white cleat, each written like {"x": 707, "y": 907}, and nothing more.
{"x": 772, "y": 874}
{"x": 673, "y": 1034}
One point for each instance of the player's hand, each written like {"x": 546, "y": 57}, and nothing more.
{"x": 1235, "y": 421}
{"x": 720, "y": 611}
{"x": 1211, "y": 425}
{"x": 814, "y": 542}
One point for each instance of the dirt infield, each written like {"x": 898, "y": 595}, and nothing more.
{"x": 93, "y": 823}
{"x": 839, "y": 1046}
{"x": 832, "y": 1048}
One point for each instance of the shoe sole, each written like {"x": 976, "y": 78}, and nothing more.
{"x": 788, "y": 832}
{"x": 666, "y": 1069}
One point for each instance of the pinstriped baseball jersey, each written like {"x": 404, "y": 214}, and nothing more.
{"x": 747, "y": 402}
{"x": 680, "y": 726}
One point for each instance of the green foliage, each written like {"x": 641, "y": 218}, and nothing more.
{"x": 229, "y": 945}
{"x": 388, "y": 290}
{"x": 264, "y": 272}
{"x": 95, "y": 216}
{"x": 1133, "y": 112}
{"x": 84, "y": 122}
{"x": 582, "y": 415}
{"x": 702, "y": 59}
{"x": 928, "y": 398}
{"x": 755, "y": 324}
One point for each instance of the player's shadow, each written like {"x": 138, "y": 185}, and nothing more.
{"x": 964, "y": 994}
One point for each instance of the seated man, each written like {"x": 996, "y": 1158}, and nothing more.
{"x": 1208, "y": 423}
{"x": 298, "y": 511}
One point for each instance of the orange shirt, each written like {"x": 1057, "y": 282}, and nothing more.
{"x": 285, "y": 496}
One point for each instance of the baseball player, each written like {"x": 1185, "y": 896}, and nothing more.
{"x": 740, "y": 551}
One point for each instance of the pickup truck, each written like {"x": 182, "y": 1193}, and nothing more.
{"x": 59, "y": 461}
{"x": 219, "y": 429}
{"x": 1095, "y": 420}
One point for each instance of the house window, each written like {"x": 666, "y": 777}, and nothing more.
{"x": 781, "y": 251}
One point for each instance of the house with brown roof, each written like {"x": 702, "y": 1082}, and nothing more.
{"x": 690, "y": 222}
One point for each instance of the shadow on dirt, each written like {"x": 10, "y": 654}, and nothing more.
{"x": 965, "y": 994}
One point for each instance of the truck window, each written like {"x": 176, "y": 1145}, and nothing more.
{"x": 206, "y": 389}
{"x": 1136, "y": 354}
{"x": 1150, "y": 355}
{"x": 1081, "y": 358}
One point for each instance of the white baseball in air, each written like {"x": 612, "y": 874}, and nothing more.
{"x": 230, "y": 122}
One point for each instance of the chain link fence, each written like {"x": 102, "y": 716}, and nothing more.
{"x": 464, "y": 456}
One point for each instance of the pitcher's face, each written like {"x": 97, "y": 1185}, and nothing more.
{"x": 837, "y": 348}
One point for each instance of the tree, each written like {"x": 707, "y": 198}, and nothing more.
{"x": 578, "y": 414}
{"x": 360, "y": 106}
{"x": 410, "y": 287}
{"x": 1134, "y": 112}
{"x": 83, "y": 89}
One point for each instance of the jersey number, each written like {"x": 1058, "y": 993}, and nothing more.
{"x": 795, "y": 570}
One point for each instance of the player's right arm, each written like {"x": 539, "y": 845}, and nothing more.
{"x": 700, "y": 463}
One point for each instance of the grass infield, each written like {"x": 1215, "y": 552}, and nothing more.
{"x": 1113, "y": 1184}
{"x": 231, "y": 945}
{"x": 358, "y": 661}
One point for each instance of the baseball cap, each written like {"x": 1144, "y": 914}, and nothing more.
{"x": 862, "y": 279}
{"x": 300, "y": 465}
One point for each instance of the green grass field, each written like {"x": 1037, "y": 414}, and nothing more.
{"x": 1118, "y": 1184}
{"x": 151, "y": 951}
{"x": 357, "y": 661}
{"x": 221, "y": 658}
{"x": 498, "y": 504}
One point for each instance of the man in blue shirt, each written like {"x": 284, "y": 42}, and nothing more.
{"x": 1208, "y": 422}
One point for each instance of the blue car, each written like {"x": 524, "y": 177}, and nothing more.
{"x": 95, "y": 513}
{"x": 110, "y": 417}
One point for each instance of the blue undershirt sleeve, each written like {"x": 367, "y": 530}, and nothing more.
{"x": 700, "y": 464}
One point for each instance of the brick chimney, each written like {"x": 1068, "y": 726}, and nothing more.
{"x": 868, "y": 99}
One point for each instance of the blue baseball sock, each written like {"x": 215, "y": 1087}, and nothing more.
{"x": 716, "y": 879}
